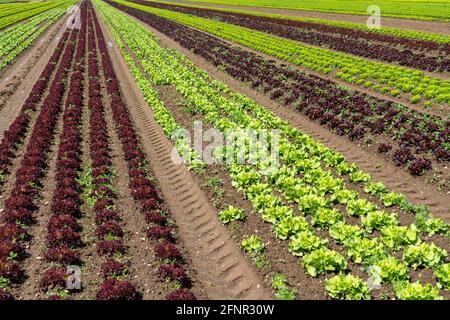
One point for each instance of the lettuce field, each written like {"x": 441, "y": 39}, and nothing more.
{"x": 170, "y": 150}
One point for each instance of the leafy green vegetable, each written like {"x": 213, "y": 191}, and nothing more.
{"x": 359, "y": 176}
{"x": 376, "y": 220}
{"x": 342, "y": 232}
{"x": 291, "y": 226}
{"x": 310, "y": 203}
{"x": 397, "y": 236}
{"x": 360, "y": 207}
{"x": 265, "y": 201}
{"x": 347, "y": 287}
{"x": 393, "y": 199}
{"x": 323, "y": 260}
{"x": 344, "y": 196}
{"x": 305, "y": 242}
{"x": 442, "y": 274}
{"x": 429, "y": 225}
{"x": 252, "y": 244}
{"x": 390, "y": 270}
{"x": 375, "y": 188}
{"x": 424, "y": 255}
{"x": 325, "y": 218}
{"x": 274, "y": 214}
{"x": 231, "y": 214}
{"x": 416, "y": 291}
{"x": 282, "y": 289}
{"x": 366, "y": 251}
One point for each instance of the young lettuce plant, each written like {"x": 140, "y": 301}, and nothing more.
{"x": 344, "y": 196}
{"x": 275, "y": 214}
{"x": 282, "y": 289}
{"x": 231, "y": 214}
{"x": 416, "y": 291}
{"x": 429, "y": 225}
{"x": 324, "y": 218}
{"x": 291, "y": 226}
{"x": 342, "y": 232}
{"x": 442, "y": 274}
{"x": 305, "y": 242}
{"x": 347, "y": 287}
{"x": 323, "y": 260}
{"x": 360, "y": 207}
{"x": 396, "y": 237}
{"x": 252, "y": 244}
{"x": 389, "y": 270}
{"x": 424, "y": 255}
{"x": 365, "y": 251}
{"x": 393, "y": 199}
{"x": 376, "y": 220}
{"x": 375, "y": 188}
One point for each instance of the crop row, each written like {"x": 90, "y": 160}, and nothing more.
{"x": 18, "y": 38}
{"x": 142, "y": 188}
{"x": 410, "y": 38}
{"x": 16, "y": 14}
{"x": 15, "y": 134}
{"x": 63, "y": 230}
{"x": 20, "y": 204}
{"x": 305, "y": 178}
{"x": 101, "y": 194}
{"x": 381, "y": 77}
{"x": 342, "y": 111}
{"x": 439, "y": 10}
{"x": 328, "y": 37}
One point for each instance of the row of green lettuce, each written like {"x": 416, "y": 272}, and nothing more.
{"x": 19, "y": 37}
{"x": 25, "y": 11}
{"x": 305, "y": 180}
{"x": 382, "y": 77}
{"x": 416, "y": 9}
{"x": 403, "y": 33}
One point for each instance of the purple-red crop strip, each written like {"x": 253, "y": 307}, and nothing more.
{"x": 63, "y": 230}
{"x": 142, "y": 188}
{"x": 17, "y": 131}
{"x": 20, "y": 205}
{"x": 109, "y": 232}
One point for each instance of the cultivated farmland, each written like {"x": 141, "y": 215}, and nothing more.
{"x": 178, "y": 151}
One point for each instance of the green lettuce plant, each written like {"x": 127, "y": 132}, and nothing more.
{"x": 347, "y": 287}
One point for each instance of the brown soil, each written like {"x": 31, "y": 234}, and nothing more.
{"x": 397, "y": 179}
{"x": 17, "y": 80}
{"x": 205, "y": 239}
{"x": 400, "y": 23}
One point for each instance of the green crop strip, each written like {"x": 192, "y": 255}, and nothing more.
{"x": 19, "y": 37}
{"x": 24, "y": 11}
{"x": 385, "y": 78}
{"x": 409, "y": 34}
{"x": 416, "y": 9}
{"x": 305, "y": 178}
